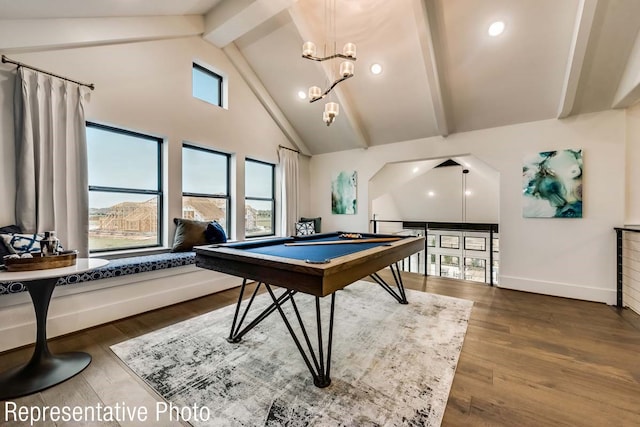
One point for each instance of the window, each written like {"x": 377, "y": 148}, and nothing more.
{"x": 205, "y": 185}
{"x": 259, "y": 181}
{"x": 450, "y": 242}
{"x": 450, "y": 266}
{"x": 475, "y": 269}
{"x": 496, "y": 244}
{"x": 431, "y": 267}
{"x": 475, "y": 243}
{"x": 125, "y": 189}
{"x": 207, "y": 85}
{"x": 431, "y": 241}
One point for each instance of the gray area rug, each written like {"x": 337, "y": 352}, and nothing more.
{"x": 392, "y": 364}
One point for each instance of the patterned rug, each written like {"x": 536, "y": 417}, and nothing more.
{"x": 392, "y": 364}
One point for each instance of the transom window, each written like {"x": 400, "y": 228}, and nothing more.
{"x": 259, "y": 198}
{"x": 450, "y": 242}
{"x": 205, "y": 185}
{"x": 125, "y": 188}
{"x": 207, "y": 85}
{"x": 475, "y": 243}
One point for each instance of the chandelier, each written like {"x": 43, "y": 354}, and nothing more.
{"x": 346, "y": 70}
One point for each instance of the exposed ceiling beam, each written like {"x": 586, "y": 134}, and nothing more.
{"x": 423, "y": 11}
{"x": 40, "y": 34}
{"x": 628, "y": 92}
{"x": 581, "y": 32}
{"x": 347, "y": 109}
{"x": 247, "y": 73}
{"x": 233, "y": 18}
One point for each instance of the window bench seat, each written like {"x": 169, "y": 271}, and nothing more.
{"x": 116, "y": 267}
{"x": 124, "y": 287}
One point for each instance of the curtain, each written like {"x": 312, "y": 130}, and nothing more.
{"x": 289, "y": 167}
{"x": 51, "y": 158}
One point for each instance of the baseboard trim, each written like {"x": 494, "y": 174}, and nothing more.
{"x": 565, "y": 290}
{"x": 73, "y": 309}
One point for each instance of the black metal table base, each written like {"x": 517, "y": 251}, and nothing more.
{"x": 318, "y": 359}
{"x": 44, "y": 369}
{"x": 41, "y": 374}
{"x": 399, "y": 293}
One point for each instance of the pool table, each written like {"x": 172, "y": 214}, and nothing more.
{"x": 318, "y": 265}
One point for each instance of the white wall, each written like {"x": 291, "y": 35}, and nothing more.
{"x": 566, "y": 257}
{"x": 146, "y": 87}
{"x": 632, "y": 213}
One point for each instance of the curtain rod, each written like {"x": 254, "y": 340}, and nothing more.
{"x": 20, "y": 64}
{"x": 287, "y": 148}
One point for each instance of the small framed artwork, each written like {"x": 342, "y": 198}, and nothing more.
{"x": 552, "y": 184}
{"x": 344, "y": 187}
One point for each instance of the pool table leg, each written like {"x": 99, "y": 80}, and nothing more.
{"x": 398, "y": 294}
{"x": 235, "y": 334}
{"x": 321, "y": 367}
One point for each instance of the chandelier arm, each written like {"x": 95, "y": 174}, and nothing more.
{"x": 337, "y": 55}
{"x": 326, "y": 92}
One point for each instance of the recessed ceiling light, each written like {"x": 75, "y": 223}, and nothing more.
{"x": 416, "y": 169}
{"x": 496, "y": 28}
{"x": 302, "y": 94}
{"x": 376, "y": 68}
{"x": 431, "y": 193}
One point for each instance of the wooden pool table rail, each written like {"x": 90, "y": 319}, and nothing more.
{"x": 315, "y": 279}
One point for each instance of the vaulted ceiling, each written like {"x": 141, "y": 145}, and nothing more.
{"x": 442, "y": 72}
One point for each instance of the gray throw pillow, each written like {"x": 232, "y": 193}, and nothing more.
{"x": 189, "y": 233}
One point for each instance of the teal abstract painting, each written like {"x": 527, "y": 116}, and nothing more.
{"x": 343, "y": 193}
{"x": 552, "y": 185}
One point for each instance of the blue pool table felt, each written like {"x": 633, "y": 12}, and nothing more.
{"x": 312, "y": 253}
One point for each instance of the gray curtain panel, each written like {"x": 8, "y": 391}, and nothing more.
{"x": 51, "y": 158}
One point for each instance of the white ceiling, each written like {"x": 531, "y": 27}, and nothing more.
{"x": 442, "y": 72}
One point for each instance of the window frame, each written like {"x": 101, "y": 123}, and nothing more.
{"x": 159, "y": 193}
{"x": 210, "y": 73}
{"x": 227, "y": 197}
{"x": 263, "y": 199}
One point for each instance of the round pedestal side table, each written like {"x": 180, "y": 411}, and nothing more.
{"x": 45, "y": 369}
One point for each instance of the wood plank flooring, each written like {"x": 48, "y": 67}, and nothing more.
{"x": 527, "y": 360}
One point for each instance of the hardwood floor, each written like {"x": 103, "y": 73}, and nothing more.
{"x": 527, "y": 360}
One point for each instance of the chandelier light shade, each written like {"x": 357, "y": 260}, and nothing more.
{"x": 349, "y": 50}
{"x": 315, "y": 92}
{"x": 343, "y": 72}
{"x": 331, "y": 111}
{"x": 332, "y": 108}
{"x": 346, "y": 69}
{"x": 309, "y": 49}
